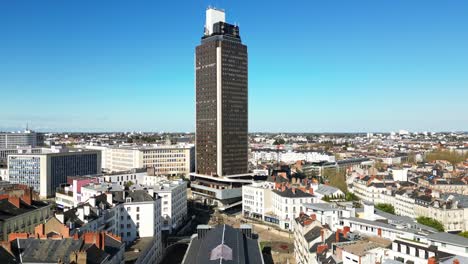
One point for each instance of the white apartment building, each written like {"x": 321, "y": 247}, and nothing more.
{"x": 399, "y": 174}
{"x": 404, "y": 204}
{"x": 452, "y": 212}
{"x": 4, "y": 175}
{"x": 309, "y": 235}
{"x": 130, "y": 214}
{"x": 139, "y": 216}
{"x": 289, "y": 156}
{"x": 135, "y": 176}
{"x": 257, "y": 199}
{"x": 277, "y": 206}
{"x": 170, "y": 160}
{"x": 173, "y": 196}
{"x": 330, "y": 214}
{"x": 373, "y": 190}
{"x": 288, "y": 203}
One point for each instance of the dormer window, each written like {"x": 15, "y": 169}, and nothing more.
{"x": 128, "y": 200}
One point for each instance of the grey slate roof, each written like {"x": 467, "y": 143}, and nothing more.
{"x": 51, "y": 250}
{"x": 48, "y": 250}
{"x": 321, "y": 206}
{"x": 313, "y": 234}
{"x": 6, "y": 257}
{"x": 136, "y": 195}
{"x": 290, "y": 194}
{"x": 326, "y": 189}
{"x": 449, "y": 239}
{"x": 244, "y": 250}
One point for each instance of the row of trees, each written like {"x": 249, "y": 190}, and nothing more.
{"x": 431, "y": 222}
{"x": 450, "y": 156}
{"x": 343, "y": 197}
{"x": 388, "y": 208}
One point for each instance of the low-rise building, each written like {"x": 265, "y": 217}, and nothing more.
{"x": 21, "y": 213}
{"x": 46, "y": 171}
{"x": 310, "y": 238}
{"x": 275, "y": 203}
{"x": 104, "y": 248}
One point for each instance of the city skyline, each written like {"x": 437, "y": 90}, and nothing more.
{"x": 352, "y": 67}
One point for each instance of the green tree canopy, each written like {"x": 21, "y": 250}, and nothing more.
{"x": 431, "y": 222}
{"x": 386, "y": 208}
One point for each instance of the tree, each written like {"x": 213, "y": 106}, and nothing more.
{"x": 349, "y": 196}
{"x": 336, "y": 178}
{"x": 431, "y": 222}
{"x": 128, "y": 184}
{"x": 279, "y": 141}
{"x": 463, "y": 234}
{"x": 388, "y": 208}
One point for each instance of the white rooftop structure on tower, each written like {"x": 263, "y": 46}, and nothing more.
{"x": 213, "y": 16}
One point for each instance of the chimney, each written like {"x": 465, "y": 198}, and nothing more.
{"x": 109, "y": 197}
{"x": 39, "y": 230}
{"x": 246, "y": 230}
{"x": 80, "y": 212}
{"x": 311, "y": 190}
{"x": 27, "y": 196}
{"x": 202, "y": 230}
{"x": 92, "y": 201}
{"x": 151, "y": 192}
{"x": 432, "y": 260}
{"x": 86, "y": 210}
{"x": 337, "y": 235}
{"x": 456, "y": 261}
{"x": 346, "y": 230}
{"x": 322, "y": 234}
{"x": 313, "y": 217}
{"x": 321, "y": 248}
{"x": 14, "y": 201}
{"x": 102, "y": 238}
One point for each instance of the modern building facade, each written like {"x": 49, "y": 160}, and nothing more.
{"x": 170, "y": 160}
{"x": 17, "y": 150}
{"x": 20, "y": 139}
{"x": 221, "y": 84}
{"x": 46, "y": 171}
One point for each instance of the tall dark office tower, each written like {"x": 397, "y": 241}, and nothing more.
{"x": 221, "y": 108}
{"x": 221, "y": 99}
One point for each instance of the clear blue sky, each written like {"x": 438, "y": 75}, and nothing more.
{"x": 314, "y": 66}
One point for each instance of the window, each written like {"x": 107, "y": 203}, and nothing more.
{"x": 138, "y": 216}
{"x": 138, "y": 209}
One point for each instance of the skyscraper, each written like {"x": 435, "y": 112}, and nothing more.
{"x": 221, "y": 113}
{"x": 221, "y": 99}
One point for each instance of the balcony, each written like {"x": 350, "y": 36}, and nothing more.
{"x": 62, "y": 191}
